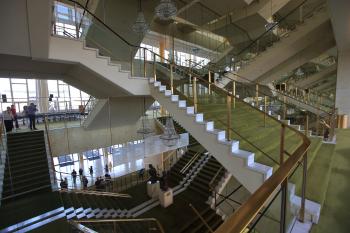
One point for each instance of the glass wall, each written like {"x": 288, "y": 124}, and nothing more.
{"x": 22, "y": 92}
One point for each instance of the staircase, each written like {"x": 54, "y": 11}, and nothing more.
{"x": 95, "y": 109}
{"x": 26, "y": 169}
{"x": 238, "y": 162}
{"x": 89, "y": 59}
{"x": 287, "y": 47}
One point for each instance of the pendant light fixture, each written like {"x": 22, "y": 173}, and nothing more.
{"x": 170, "y": 136}
{"x": 166, "y": 10}
{"x": 145, "y": 128}
{"x": 140, "y": 26}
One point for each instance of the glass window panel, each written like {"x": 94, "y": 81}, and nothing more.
{"x": 5, "y": 87}
{"x": 52, "y": 86}
{"x": 18, "y": 80}
{"x": 19, "y": 92}
{"x": 32, "y": 87}
{"x": 74, "y": 92}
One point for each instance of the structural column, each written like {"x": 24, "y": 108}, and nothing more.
{"x": 42, "y": 93}
{"x": 342, "y": 102}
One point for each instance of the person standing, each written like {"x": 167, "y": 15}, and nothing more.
{"x": 31, "y": 115}
{"x": 8, "y": 119}
{"x": 74, "y": 176}
{"x": 14, "y": 115}
{"x": 91, "y": 170}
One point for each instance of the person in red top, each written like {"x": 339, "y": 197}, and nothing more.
{"x": 14, "y": 115}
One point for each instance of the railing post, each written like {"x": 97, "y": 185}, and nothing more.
{"x": 194, "y": 92}
{"x": 209, "y": 79}
{"x": 228, "y": 130}
{"x": 284, "y": 107}
{"x": 265, "y": 110}
{"x": 283, "y": 185}
{"x": 303, "y": 187}
{"x": 131, "y": 62}
{"x": 154, "y": 67}
{"x": 172, "y": 78}
{"x": 144, "y": 63}
{"x": 257, "y": 95}
{"x": 234, "y": 93}
{"x": 114, "y": 227}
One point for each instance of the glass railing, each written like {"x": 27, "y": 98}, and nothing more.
{"x": 273, "y": 142}
{"x": 321, "y": 120}
{"x": 283, "y": 26}
{"x": 60, "y": 112}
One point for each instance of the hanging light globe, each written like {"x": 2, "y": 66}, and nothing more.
{"x": 166, "y": 10}
{"x": 140, "y": 26}
{"x": 170, "y": 136}
{"x": 145, "y": 129}
{"x": 299, "y": 72}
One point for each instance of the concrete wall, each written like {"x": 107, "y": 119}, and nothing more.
{"x": 343, "y": 84}
{"x": 120, "y": 111}
{"x": 14, "y": 37}
{"x": 25, "y": 27}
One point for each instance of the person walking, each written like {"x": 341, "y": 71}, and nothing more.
{"x": 31, "y": 115}
{"x": 8, "y": 119}
{"x": 85, "y": 182}
{"x": 14, "y": 115}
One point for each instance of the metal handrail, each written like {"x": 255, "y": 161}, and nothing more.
{"x": 201, "y": 218}
{"x": 80, "y": 227}
{"x": 189, "y": 163}
{"x": 123, "y": 220}
{"x": 96, "y": 193}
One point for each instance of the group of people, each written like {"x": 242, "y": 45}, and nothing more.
{"x": 163, "y": 180}
{"x": 11, "y": 118}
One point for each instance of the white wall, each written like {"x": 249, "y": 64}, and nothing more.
{"x": 14, "y": 37}
{"x": 25, "y": 27}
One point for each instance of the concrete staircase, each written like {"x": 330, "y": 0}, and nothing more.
{"x": 96, "y": 108}
{"x": 289, "y": 45}
{"x": 238, "y": 162}
{"x": 67, "y": 50}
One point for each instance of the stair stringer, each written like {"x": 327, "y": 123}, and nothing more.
{"x": 238, "y": 162}
{"x": 100, "y": 103}
{"x": 68, "y": 50}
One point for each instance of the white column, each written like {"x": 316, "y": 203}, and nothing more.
{"x": 343, "y": 83}
{"x": 42, "y": 93}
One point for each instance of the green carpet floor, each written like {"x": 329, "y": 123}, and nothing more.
{"x": 335, "y": 213}
{"x": 28, "y": 206}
